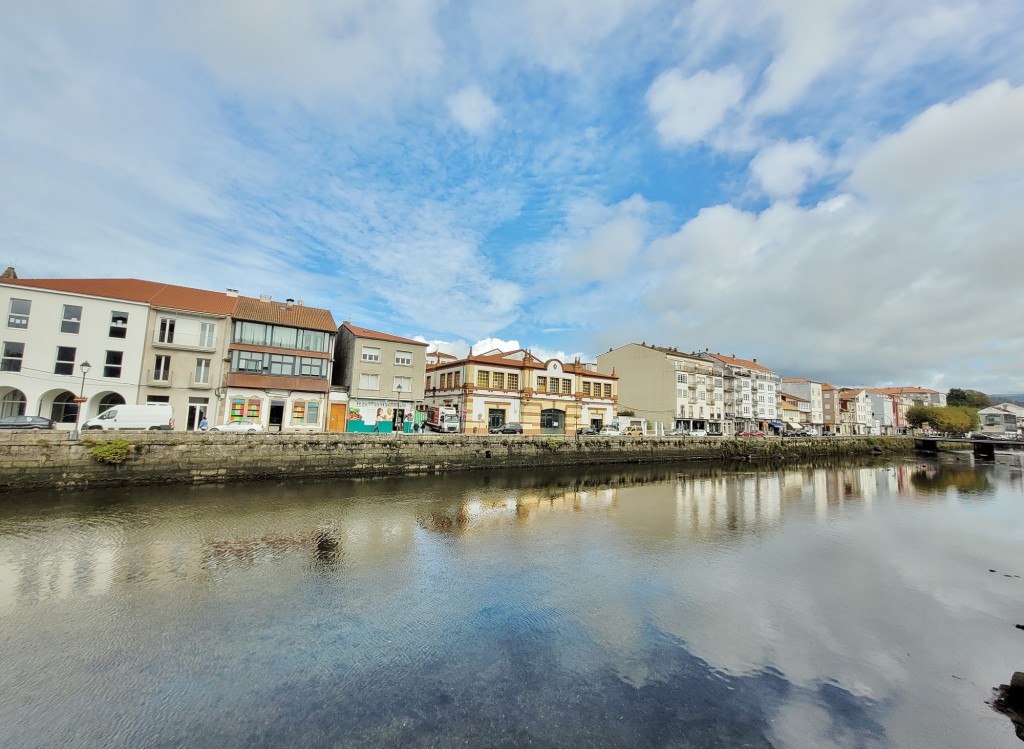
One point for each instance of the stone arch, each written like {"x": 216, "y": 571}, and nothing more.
{"x": 106, "y": 401}
{"x": 12, "y": 402}
{"x": 60, "y": 406}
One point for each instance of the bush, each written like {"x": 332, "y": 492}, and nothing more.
{"x": 111, "y": 452}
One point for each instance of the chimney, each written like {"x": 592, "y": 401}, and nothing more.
{"x": 9, "y": 273}
{"x": 754, "y": 360}
{"x": 264, "y": 297}
{"x": 231, "y": 292}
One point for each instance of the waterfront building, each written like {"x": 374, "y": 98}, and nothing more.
{"x": 280, "y": 361}
{"x": 383, "y": 376}
{"x": 830, "y": 409}
{"x": 855, "y": 412}
{"x": 546, "y": 397}
{"x": 905, "y": 398}
{"x": 671, "y": 389}
{"x": 811, "y": 392}
{"x": 1004, "y": 418}
{"x": 883, "y": 412}
{"x": 753, "y": 401}
{"x": 63, "y": 340}
{"x": 794, "y": 411}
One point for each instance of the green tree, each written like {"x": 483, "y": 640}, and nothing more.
{"x": 952, "y": 419}
{"x": 972, "y": 398}
{"x": 918, "y": 416}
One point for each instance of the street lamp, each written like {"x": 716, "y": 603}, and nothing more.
{"x": 81, "y": 399}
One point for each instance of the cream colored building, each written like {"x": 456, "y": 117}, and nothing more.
{"x": 546, "y": 397}
{"x": 811, "y": 392}
{"x": 669, "y": 388}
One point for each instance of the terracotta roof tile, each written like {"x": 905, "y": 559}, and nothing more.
{"x": 376, "y": 335}
{"x": 748, "y": 364}
{"x": 137, "y": 290}
{"x": 282, "y": 313}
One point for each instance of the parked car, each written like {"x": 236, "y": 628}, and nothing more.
{"x": 698, "y": 433}
{"x": 507, "y": 429}
{"x": 150, "y": 416}
{"x": 758, "y": 433}
{"x": 633, "y": 431}
{"x": 27, "y": 422}
{"x": 609, "y": 432}
{"x": 586, "y": 431}
{"x": 245, "y": 425}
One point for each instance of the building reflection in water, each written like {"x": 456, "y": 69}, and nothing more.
{"x": 207, "y": 533}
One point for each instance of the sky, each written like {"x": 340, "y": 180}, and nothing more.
{"x": 835, "y": 189}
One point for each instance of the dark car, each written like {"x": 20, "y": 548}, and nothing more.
{"x": 27, "y": 422}
{"x": 507, "y": 429}
{"x": 586, "y": 432}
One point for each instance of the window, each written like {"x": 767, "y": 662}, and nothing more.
{"x": 542, "y": 383}
{"x": 64, "y": 410}
{"x": 552, "y": 384}
{"x": 13, "y": 404}
{"x": 202, "y": 374}
{"x": 282, "y": 364}
{"x": 72, "y": 320}
{"x": 207, "y": 335}
{"x": 483, "y": 379}
{"x": 162, "y": 368}
{"x": 312, "y": 367}
{"x": 118, "y": 325}
{"x": 65, "y": 361}
{"x": 681, "y": 378}
{"x": 701, "y": 395}
{"x": 306, "y": 412}
{"x": 312, "y": 340}
{"x": 371, "y": 354}
{"x": 607, "y": 390}
{"x": 566, "y": 387}
{"x": 166, "y": 330}
{"x": 429, "y": 378}
{"x": 284, "y": 337}
{"x": 403, "y": 358}
{"x": 112, "y": 366}
{"x": 497, "y": 379}
{"x": 586, "y": 388}
{"x": 369, "y": 381}
{"x": 13, "y": 353}
{"x": 458, "y": 380}
{"x": 405, "y": 383}
{"x": 158, "y": 399}
{"x": 20, "y": 310}
{"x": 247, "y": 361}
{"x": 513, "y": 382}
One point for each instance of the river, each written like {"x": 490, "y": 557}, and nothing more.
{"x": 842, "y": 605}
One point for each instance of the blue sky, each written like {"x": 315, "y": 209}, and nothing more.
{"x": 833, "y": 188}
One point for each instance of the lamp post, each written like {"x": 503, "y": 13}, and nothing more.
{"x": 399, "y": 421}
{"x": 80, "y": 400}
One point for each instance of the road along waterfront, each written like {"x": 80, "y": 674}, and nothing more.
{"x": 863, "y": 604}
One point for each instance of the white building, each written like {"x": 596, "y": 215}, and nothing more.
{"x": 60, "y": 345}
{"x": 811, "y": 392}
{"x": 752, "y": 401}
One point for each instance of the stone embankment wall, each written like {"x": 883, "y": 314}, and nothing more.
{"x": 42, "y": 460}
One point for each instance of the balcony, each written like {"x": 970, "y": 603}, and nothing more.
{"x": 199, "y": 384}
{"x": 159, "y": 378}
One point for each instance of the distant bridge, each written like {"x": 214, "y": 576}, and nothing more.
{"x": 984, "y": 449}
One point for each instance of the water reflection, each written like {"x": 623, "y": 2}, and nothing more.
{"x": 820, "y": 605}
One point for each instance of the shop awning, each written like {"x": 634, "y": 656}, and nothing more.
{"x": 794, "y": 425}
{"x": 776, "y": 425}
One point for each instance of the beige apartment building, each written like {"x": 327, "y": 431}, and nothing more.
{"x": 670, "y": 389}
{"x": 810, "y": 392}
{"x": 383, "y": 375}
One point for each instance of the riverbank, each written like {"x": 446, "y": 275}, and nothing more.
{"x": 52, "y": 461}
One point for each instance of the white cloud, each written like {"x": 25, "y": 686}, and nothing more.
{"x": 955, "y": 146}
{"x": 812, "y": 39}
{"x": 472, "y": 109}
{"x": 317, "y": 51}
{"x": 686, "y": 109}
{"x": 784, "y": 169}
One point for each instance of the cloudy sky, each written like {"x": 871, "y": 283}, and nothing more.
{"x": 834, "y": 188}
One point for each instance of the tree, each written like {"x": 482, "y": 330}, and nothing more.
{"x": 972, "y": 398}
{"x": 951, "y": 419}
{"x": 918, "y": 416}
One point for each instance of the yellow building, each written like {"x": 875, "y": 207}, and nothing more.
{"x": 515, "y": 387}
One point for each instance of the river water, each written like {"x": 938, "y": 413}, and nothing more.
{"x": 864, "y": 605}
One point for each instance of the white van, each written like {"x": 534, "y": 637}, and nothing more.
{"x": 149, "y": 416}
